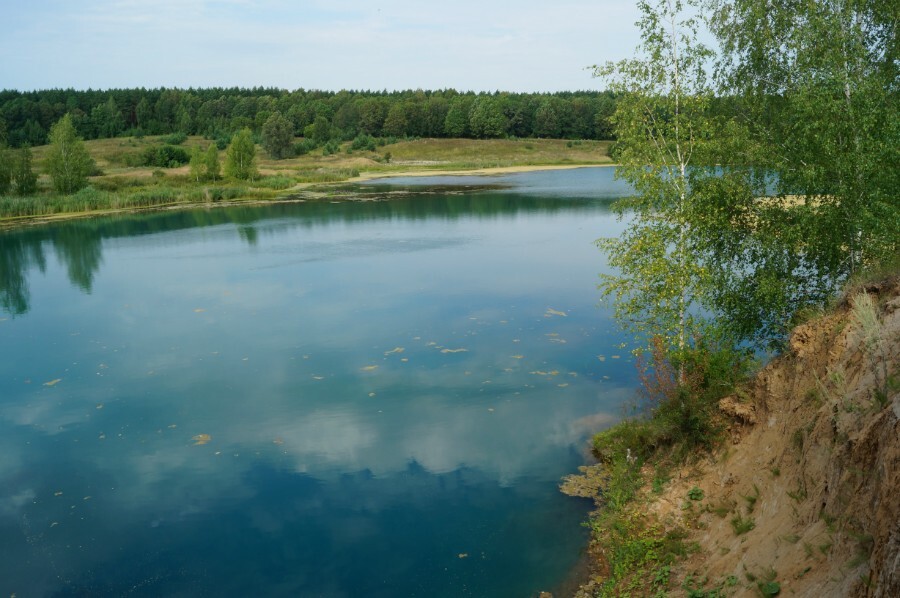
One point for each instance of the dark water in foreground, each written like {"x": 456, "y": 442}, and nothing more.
{"x": 356, "y": 399}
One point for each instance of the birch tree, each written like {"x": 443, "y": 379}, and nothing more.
{"x": 663, "y": 127}
{"x": 240, "y": 157}
{"x": 67, "y": 161}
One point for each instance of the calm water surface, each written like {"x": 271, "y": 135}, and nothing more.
{"x": 357, "y": 399}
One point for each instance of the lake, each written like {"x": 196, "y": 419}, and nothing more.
{"x": 362, "y": 398}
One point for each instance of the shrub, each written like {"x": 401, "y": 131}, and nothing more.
{"x": 331, "y": 147}
{"x": 164, "y": 156}
{"x": 304, "y": 146}
{"x": 363, "y": 141}
{"x": 175, "y": 138}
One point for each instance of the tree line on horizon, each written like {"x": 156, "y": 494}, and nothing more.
{"x": 218, "y": 113}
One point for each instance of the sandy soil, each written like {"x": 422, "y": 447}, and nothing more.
{"x": 814, "y": 463}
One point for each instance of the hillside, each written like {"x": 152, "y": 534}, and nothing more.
{"x": 803, "y": 498}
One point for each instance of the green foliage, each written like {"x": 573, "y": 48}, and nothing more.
{"x": 275, "y": 182}
{"x": 278, "y": 136}
{"x": 6, "y": 169}
{"x": 107, "y": 119}
{"x": 326, "y": 175}
{"x": 240, "y": 158}
{"x": 24, "y": 175}
{"x": 198, "y": 164}
{"x": 456, "y": 123}
{"x": 164, "y": 156}
{"x": 319, "y": 131}
{"x": 211, "y": 162}
{"x": 331, "y": 147}
{"x": 742, "y": 525}
{"x": 814, "y": 87}
{"x": 663, "y": 125}
{"x": 395, "y": 123}
{"x": 176, "y": 138}
{"x": 486, "y": 118}
{"x": 695, "y": 493}
{"x": 67, "y": 161}
{"x": 304, "y": 146}
{"x": 363, "y": 142}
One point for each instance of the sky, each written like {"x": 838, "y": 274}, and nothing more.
{"x": 478, "y": 45}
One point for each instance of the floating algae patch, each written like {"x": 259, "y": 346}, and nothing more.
{"x": 201, "y": 439}
{"x": 369, "y": 368}
{"x": 394, "y": 351}
{"x": 454, "y": 350}
{"x": 53, "y": 382}
{"x": 555, "y": 312}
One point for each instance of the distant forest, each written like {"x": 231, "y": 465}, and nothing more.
{"x": 26, "y": 117}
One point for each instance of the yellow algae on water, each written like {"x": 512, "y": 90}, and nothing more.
{"x": 454, "y": 350}
{"x": 369, "y": 368}
{"x": 201, "y": 439}
{"x": 53, "y": 382}
{"x": 601, "y": 357}
{"x": 394, "y": 351}
{"x": 554, "y": 312}
{"x": 279, "y": 441}
{"x": 518, "y": 356}
{"x": 199, "y": 310}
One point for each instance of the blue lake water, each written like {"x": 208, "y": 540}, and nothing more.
{"x": 373, "y": 398}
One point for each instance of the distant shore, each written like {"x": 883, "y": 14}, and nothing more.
{"x": 288, "y": 195}
{"x": 118, "y": 188}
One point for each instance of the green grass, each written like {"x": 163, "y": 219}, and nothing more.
{"x": 742, "y": 525}
{"x": 682, "y": 424}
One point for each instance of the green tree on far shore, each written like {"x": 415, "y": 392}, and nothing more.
{"x": 197, "y": 164}
{"x": 23, "y": 173}
{"x": 278, "y": 136}
{"x": 6, "y": 169}
{"x": 211, "y": 161}
{"x": 68, "y": 162}
{"x": 240, "y": 157}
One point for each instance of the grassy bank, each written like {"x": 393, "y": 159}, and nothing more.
{"x": 730, "y": 485}
{"x": 119, "y": 185}
{"x": 634, "y": 550}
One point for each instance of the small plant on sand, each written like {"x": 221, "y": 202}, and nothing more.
{"x": 742, "y": 525}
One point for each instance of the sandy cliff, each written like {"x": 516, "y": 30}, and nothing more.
{"x": 805, "y": 496}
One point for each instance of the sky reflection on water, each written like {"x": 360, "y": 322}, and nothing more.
{"x": 352, "y": 399}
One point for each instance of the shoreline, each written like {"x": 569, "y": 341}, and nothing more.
{"x": 287, "y": 195}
